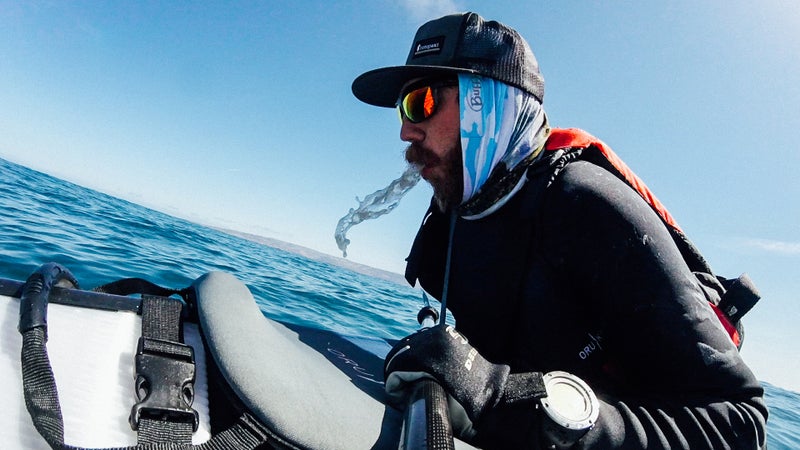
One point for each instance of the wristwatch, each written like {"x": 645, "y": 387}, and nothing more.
{"x": 570, "y": 409}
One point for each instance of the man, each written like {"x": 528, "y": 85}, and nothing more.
{"x": 582, "y": 321}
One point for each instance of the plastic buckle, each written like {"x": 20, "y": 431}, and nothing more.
{"x": 165, "y": 374}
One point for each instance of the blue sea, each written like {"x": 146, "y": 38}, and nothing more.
{"x": 102, "y": 238}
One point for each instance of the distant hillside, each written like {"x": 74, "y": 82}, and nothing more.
{"x": 318, "y": 256}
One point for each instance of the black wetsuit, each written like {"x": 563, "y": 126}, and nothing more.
{"x": 583, "y": 276}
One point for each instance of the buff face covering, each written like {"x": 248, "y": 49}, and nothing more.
{"x": 501, "y": 126}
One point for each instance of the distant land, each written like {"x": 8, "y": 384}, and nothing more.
{"x": 318, "y": 256}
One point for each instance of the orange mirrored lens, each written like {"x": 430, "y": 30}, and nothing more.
{"x": 418, "y": 104}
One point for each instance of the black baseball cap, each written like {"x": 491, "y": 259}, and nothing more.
{"x": 458, "y": 43}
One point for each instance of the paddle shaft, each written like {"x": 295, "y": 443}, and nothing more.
{"x": 426, "y": 424}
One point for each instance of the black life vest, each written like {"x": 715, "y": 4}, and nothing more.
{"x": 729, "y": 298}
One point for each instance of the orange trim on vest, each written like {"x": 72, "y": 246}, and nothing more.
{"x": 563, "y": 138}
{"x": 726, "y": 323}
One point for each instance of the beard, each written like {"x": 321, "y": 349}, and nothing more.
{"x": 448, "y": 187}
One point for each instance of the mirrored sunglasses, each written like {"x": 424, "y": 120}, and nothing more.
{"x": 419, "y": 103}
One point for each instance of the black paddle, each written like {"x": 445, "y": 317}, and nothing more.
{"x": 426, "y": 424}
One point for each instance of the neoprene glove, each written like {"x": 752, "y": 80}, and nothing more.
{"x": 484, "y": 390}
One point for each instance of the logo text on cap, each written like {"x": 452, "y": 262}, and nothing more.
{"x": 430, "y": 46}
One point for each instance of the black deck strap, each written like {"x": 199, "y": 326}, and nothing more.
{"x": 246, "y": 434}
{"x": 128, "y": 286}
{"x": 38, "y": 381}
{"x": 165, "y": 375}
{"x": 131, "y": 286}
{"x": 161, "y": 318}
{"x": 39, "y": 388}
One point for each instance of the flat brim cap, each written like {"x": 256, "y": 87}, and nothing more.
{"x": 458, "y": 43}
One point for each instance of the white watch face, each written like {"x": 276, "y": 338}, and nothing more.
{"x": 570, "y": 402}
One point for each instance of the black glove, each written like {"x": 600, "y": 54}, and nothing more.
{"x": 484, "y": 390}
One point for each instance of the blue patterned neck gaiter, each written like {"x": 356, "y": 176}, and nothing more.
{"x": 503, "y": 130}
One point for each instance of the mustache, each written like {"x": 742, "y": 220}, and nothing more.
{"x": 420, "y": 156}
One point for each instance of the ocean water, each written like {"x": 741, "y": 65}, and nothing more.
{"x": 101, "y": 239}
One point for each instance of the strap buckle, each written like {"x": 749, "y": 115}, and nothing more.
{"x": 165, "y": 375}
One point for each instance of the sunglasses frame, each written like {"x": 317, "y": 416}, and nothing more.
{"x": 434, "y": 85}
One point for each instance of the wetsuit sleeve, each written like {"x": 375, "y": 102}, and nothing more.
{"x": 672, "y": 378}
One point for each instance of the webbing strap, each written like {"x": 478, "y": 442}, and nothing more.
{"x": 246, "y": 434}
{"x": 128, "y": 286}
{"x": 165, "y": 375}
{"x": 39, "y": 387}
{"x": 161, "y": 431}
{"x": 161, "y": 318}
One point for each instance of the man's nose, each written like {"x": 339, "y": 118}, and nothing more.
{"x": 411, "y": 132}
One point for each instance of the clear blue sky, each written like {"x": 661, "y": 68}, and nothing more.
{"x": 239, "y": 114}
